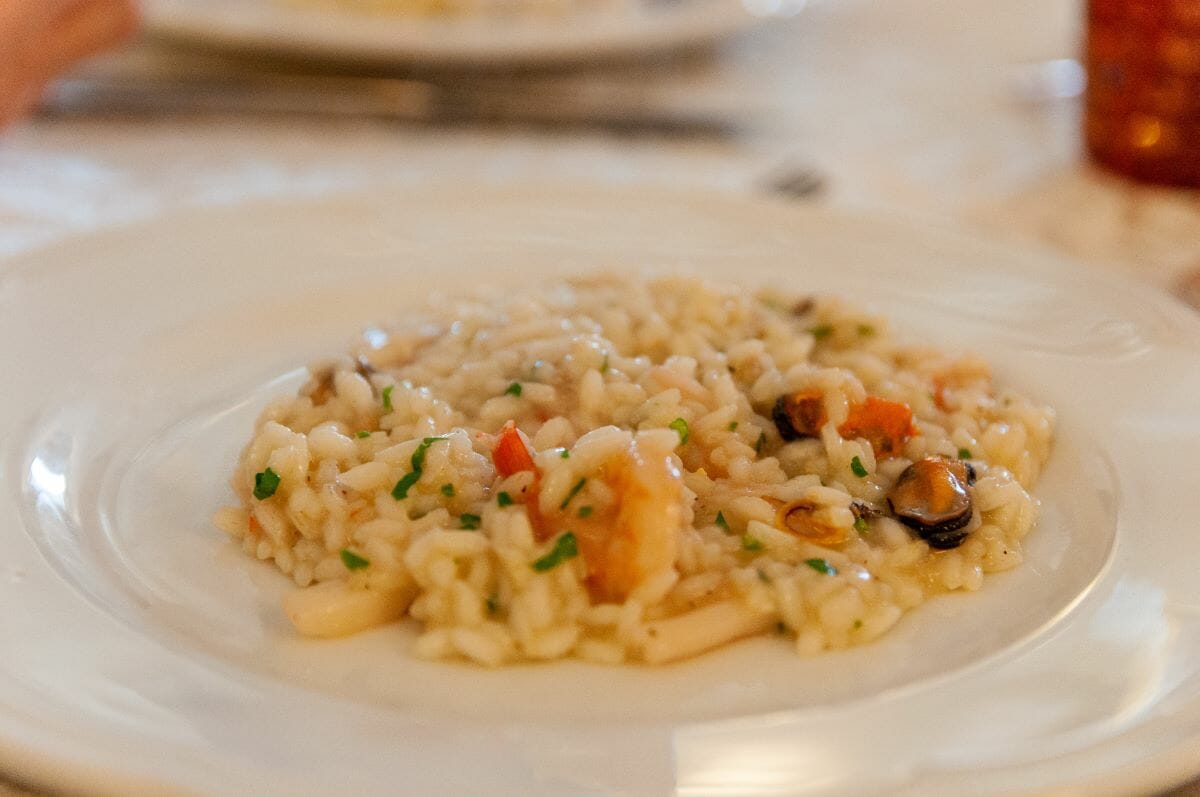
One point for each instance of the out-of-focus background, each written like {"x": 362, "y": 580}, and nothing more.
{"x": 967, "y": 112}
{"x": 964, "y": 109}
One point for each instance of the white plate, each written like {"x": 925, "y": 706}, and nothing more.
{"x": 608, "y": 29}
{"x": 143, "y": 653}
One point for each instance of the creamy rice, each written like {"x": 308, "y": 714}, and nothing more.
{"x": 598, "y": 469}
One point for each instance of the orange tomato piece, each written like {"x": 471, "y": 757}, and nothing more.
{"x": 511, "y": 455}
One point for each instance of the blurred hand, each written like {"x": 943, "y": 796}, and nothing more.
{"x": 41, "y": 38}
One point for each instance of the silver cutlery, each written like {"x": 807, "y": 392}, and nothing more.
{"x": 608, "y": 108}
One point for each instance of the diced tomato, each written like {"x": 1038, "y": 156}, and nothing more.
{"x": 511, "y": 455}
{"x": 886, "y": 425}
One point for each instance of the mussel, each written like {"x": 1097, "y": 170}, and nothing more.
{"x": 932, "y": 498}
{"x": 799, "y": 518}
{"x": 799, "y": 415}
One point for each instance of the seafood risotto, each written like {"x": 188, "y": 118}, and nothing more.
{"x": 636, "y": 470}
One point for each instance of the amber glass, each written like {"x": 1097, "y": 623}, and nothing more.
{"x": 1143, "y": 98}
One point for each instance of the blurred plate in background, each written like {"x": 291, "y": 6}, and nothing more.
{"x": 489, "y": 35}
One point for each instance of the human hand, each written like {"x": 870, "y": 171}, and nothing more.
{"x": 41, "y": 38}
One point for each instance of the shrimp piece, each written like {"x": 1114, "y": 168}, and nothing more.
{"x": 637, "y": 538}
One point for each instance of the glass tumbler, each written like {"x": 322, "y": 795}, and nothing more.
{"x": 1142, "y": 108}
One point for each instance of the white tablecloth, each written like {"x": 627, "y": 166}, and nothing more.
{"x": 906, "y": 106}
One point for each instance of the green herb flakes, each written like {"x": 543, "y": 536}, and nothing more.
{"x": 821, "y": 332}
{"x": 857, "y": 624}
{"x": 387, "y": 398}
{"x": 821, "y": 566}
{"x": 584, "y": 511}
{"x": 492, "y": 603}
{"x": 514, "y": 389}
{"x": 733, "y": 426}
{"x": 964, "y": 453}
{"x": 363, "y": 434}
{"x": 722, "y": 522}
{"x": 469, "y": 522}
{"x": 400, "y": 491}
{"x": 604, "y": 365}
{"x": 565, "y": 454}
{"x": 860, "y": 525}
{"x": 565, "y": 547}
{"x": 758, "y": 444}
{"x": 763, "y": 577}
{"x": 406, "y": 483}
{"x": 353, "y": 561}
{"x": 504, "y": 499}
{"x": 856, "y": 467}
{"x": 681, "y": 427}
{"x": 574, "y": 491}
{"x": 265, "y": 484}
{"x": 448, "y": 490}
{"x": 751, "y": 544}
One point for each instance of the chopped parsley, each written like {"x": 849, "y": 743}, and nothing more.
{"x": 265, "y": 484}
{"x": 400, "y": 491}
{"x": 565, "y": 547}
{"x": 574, "y": 491}
{"x": 604, "y": 365}
{"x": 762, "y": 576}
{"x": 504, "y": 499}
{"x": 857, "y": 624}
{"x": 681, "y": 427}
{"x": 448, "y": 490}
{"x": 722, "y": 522}
{"x": 762, "y": 441}
{"x": 860, "y": 525}
{"x": 353, "y": 561}
{"x": 363, "y": 434}
{"x": 565, "y": 454}
{"x": 821, "y": 566}
{"x": 584, "y": 511}
{"x": 964, "y": 453}
{"x": 733, "y": 426}
{"x": 865, "y": 330}
{"x": 492, "y": 603}
{"x": 856, "y": 467}
{"x": 751, "y": 543}
{"x": 514, "y": 389}
{"x": 469, "y": 522}
{"x": 821, "y": 332}
{"x": 387, "y": 398}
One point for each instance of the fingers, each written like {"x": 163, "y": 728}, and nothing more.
{"x": 84, "y": 29}
{"x": 42, "y": 38}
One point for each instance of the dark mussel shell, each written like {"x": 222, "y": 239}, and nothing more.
{"x": 932, "y": 498}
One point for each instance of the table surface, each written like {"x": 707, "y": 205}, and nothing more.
{"x": 919, "y": 107}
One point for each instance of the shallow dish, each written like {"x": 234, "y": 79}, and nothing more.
{"x": 145, "y": 653}
{"x": 596, "y": 30}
